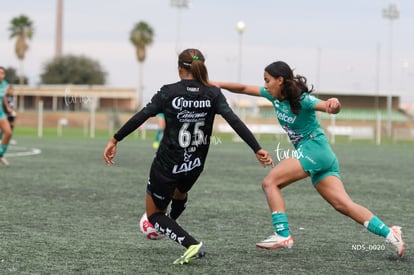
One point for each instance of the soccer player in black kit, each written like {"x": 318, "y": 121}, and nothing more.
{"x": 189, "y": 106}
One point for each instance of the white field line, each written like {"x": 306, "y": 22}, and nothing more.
{"x": 22, "y": 151}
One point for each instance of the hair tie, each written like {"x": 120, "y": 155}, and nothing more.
{"x": 195, "y": 57}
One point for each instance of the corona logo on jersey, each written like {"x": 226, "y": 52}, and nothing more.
{"x": 180, "y": 103}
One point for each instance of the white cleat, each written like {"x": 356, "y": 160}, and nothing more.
{"x": 4, "y": 161}
{"x": 275, "y": 241}
{"x": 395, "y": 238}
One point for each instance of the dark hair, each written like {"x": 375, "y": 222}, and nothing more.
{"x": 192, "y": 60}
{"x": 293, "y": 85}
{"x": 2, "y": 68}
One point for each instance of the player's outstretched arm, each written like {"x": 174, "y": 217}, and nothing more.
{"x": 110, "y": 151}
{"x": 238, "y": 88}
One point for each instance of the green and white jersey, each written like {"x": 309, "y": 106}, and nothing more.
{"x": 298, "y": 127}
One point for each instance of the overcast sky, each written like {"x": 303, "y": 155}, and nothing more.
{"x": 336, "y": 44}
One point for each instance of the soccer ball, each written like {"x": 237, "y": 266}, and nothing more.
{"x": 148, "y": 229}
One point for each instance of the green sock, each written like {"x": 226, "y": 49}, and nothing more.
{"x": 3, "y": 150}
{"x": 158, "y": 135}
{"x": 376, "y": 226}
{"x": 280, "y": 223}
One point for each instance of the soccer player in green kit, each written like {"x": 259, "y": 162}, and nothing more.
{"x": 295, "y": 109}
{"x": 4, "y": 123}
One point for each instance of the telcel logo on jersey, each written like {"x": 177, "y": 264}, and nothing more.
{"x": 284, "y": 117}
{"x": 180, "y": 102}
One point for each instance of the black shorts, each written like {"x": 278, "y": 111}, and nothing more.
{"x": 161, "y": 187}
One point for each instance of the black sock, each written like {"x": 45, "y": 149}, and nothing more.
{"x": 177, "y": 207}
{"x": 171, "y": 229}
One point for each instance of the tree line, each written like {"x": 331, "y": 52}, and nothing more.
{"x": 69, "y": 68}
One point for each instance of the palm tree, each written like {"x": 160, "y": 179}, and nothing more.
{"x": 141, "y": 36}
{"x": 22, "y": 28}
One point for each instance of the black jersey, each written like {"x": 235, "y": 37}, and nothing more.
{"x": 189, "y": 108}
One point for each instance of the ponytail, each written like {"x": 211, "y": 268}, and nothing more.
{"x": 192, "y": 60}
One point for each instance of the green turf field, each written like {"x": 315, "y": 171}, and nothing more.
{"x": 64, "y": 212}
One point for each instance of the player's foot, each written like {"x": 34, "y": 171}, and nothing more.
{"x": 155, "y": 145}
{"x": 193, "y": 252}
{"x": 395, "y": 238}
{"x": 4, "y": 161}
{"x": 275, "y": 241}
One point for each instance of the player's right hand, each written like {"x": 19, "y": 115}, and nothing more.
{"x": 110, "y": 152}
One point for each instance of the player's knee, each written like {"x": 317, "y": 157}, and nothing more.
{"x": 7, "y": 133}
{"x": 269, "y": 183}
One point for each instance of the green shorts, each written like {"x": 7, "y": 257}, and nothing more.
{"x": 318, "y": 159}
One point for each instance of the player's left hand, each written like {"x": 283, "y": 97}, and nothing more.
{"x": 333, "y": 106}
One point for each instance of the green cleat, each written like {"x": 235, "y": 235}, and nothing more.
{"x": 195, "y": 251}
